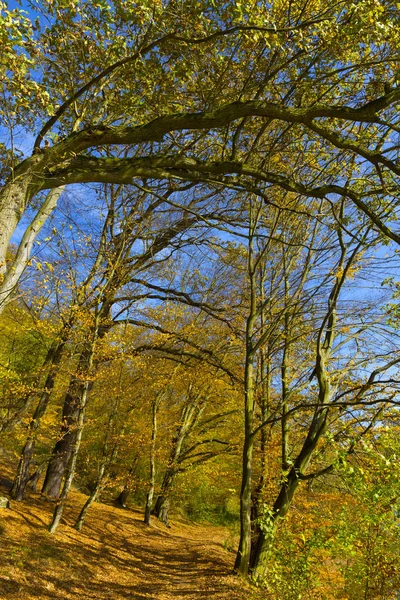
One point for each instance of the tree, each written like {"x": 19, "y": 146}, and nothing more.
{"x": 196, "y": 439}
{"x": 362, "y": 399}
{"x": 109, "y": 453}
{"x": 280, "y": 253}
{"x": 270, "y": 71}
{"x": 52, "y": 362}
{"x": 290, "y": 303}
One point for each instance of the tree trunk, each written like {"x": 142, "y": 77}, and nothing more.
{"x": 13, "y": 275}
{"x": 244, "y": 549}
{"x": 265, "y": 376}
{"x": 64, "y": 445}
{"x": 161, "y": 509}
{"x": 13, "y": 200}
{"x": 92, "y": 498}
{"x": 150, "y": 493}
{"x": 265, "y": 540}
{"x": 124, "y": 495}
{"x": 189, "y": 416}
{"x": 18, "y": 489}
{"x": 33, "y": 480}
{"x": 316, "y": 430}
{"x": 105, "y": 463}
{"x": 71, "y": 466}
{"x": 288, "y": 489}
{"x": 71, "y": 410}
{"x": 162, "y": 505}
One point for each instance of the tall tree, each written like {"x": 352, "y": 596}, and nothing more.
{"x": 280, "y": 251}
{"x": 340, "y": 396}
{"x": 195, "y": 439}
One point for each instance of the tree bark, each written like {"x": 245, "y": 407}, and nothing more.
{"x": 161, "y": 508}
{"x": 150, "y": 493}
{"x": 123, "y": 496}
{"x": 257, "y": 495}
{"x": 71, "y": 465}
{"x": 13, "y": 200}
{"x": 289, "y": 486}
{"x": 244, "y": 549}
{"x": 64, "y": 445}
{"x": 127, "y": 490}
{"x": 188, "y": 419}
{"x": 263, "y": 546}
{"x": 13, "y": 275}
{"x": 162, "y": 505}
{"x": 92, "y": 498}
{"x": 33, "y": 480}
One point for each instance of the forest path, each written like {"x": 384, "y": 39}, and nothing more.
{"x": 116, "y": 556}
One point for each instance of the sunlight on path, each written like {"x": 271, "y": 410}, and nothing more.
{"x": 115, "y": 556}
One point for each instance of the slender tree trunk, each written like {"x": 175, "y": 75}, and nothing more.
{"x": 13, "y": 275}
{"x": 18, "y": 489}
{"x": 92, "y": 498}
{"x": 71, "y": 466}
{"x": 105, "y": 463}
{"x": 150, "y": 493}
{"x": 257, "y": 496}
{"x": 189, "y": 417}
{"x": 244, "y": 549}
{"x": 264, "y": 382}
{"x": 289, "y": 486}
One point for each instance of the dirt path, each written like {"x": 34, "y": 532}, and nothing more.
{"x": 115, "y": 556}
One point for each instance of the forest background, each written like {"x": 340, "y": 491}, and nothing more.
{"x": 199, "y": 251}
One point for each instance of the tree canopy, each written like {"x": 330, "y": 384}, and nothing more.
{"x": 220, "y": 94}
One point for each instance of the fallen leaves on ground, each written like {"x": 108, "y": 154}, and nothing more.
{"x": 114, "y": 556}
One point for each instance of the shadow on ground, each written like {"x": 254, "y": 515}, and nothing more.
{"x": 115, "y": 556}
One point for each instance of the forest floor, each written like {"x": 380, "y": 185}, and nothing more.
{"x": 115, "y": 556}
